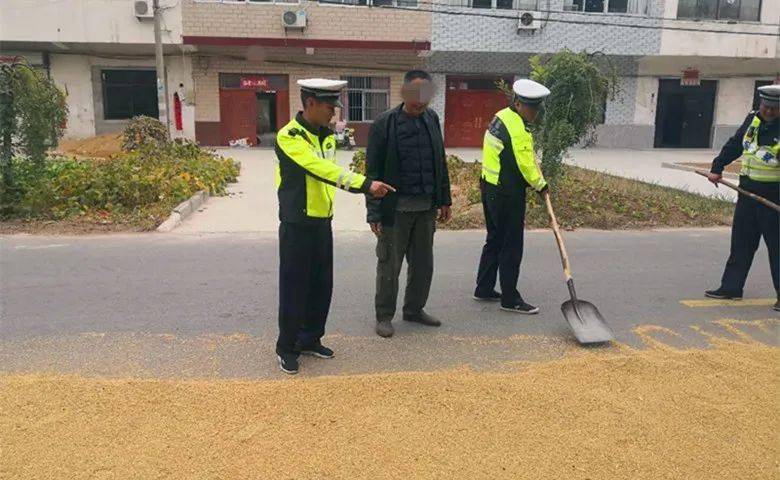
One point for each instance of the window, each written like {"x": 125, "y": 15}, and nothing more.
{"x": 256, "y": 2}
{"x": 756, "y": 99}
{"x": 128, "y": 93}
{"x": 638, "y": 7}
{"x": 503, "y": 4}
{"x": 365, "y": 98}
{"x": 375, "y": 3}
{"x": 394, "y": 3}
{"x": 744, "y": 10}
{"x": 345, "y": 2}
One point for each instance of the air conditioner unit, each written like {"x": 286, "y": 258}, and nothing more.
{"x": 529, "y": 20}
{"x": 291, "y": 19}
{"x": 143, "y": 9}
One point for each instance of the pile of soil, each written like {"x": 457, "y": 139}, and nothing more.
{"x": 658, "y": 413}
{"x": 102, "y": 146}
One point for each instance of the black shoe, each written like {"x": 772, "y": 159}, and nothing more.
{"x": 384, "y": 328}
{"x": 721, "y": 294}
{"x": 493, "y": 296}
{"x": 288, "y": 362}
{"x": 423, "y": 319}
{"x": 777, "y": 304}
{"x": 318, "y": 350}
{"x": 521, "y": 307}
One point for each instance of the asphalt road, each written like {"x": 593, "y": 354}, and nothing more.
{"x": 204, "y": 305}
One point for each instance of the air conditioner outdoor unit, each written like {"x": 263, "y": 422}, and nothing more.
{"x": 143, "y": 9}
{"x": 291, "y": 19}
{"x": 528, "y": 20}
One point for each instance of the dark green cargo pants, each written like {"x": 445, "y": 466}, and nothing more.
{"x": 412, "y": 238}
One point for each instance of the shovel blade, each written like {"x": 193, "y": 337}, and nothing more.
{"x": 586, "y": 322}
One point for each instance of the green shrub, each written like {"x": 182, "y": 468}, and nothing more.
{"x": 147, "y": 182}
{"x": 143, "y": 130}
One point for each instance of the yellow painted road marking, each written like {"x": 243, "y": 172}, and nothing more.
{"x": 750, "y": 302}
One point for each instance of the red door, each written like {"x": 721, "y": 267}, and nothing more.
{"x": 468, "y": 114}
{"x": 238, "y": 115}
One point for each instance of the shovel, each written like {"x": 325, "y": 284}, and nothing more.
{"x": 584, "y": 318}
{"x": 744, "y": 192}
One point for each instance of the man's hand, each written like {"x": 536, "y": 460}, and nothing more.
{"x": 543, "y": 191}
{"x": 376, "y": 228}
{"x": 379, "y": 189}
{"x": 714, "y": 177}
{"x": 445, "y": 213}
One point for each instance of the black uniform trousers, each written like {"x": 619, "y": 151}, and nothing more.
{"x": 753, "y": 220}
{"x": 503, "y": 250}
{"x": 305, "y": 283}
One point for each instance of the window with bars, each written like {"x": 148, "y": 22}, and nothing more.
{"x": 637, "y": 7}
{"x": 375, "y": 3}
{"x": 500, "y": 4}
{"x": 128, "y": 93}
{"x": 365, "y": 98}
{"x": 745, "y": 10}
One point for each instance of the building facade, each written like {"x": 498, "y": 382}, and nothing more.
{"x": 247, "y": 61}
{"x": 724, "y": 48}
{"x": 687, "y": 69}
{"x": 101, "y": 53}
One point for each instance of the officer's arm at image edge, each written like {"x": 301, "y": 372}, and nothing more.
{"x": 323, "y": 170}
{"x": 732, "y": 149}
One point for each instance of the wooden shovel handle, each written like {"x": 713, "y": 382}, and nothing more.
{"x": 744, "y": 192}
{"x": 558, "y": 237}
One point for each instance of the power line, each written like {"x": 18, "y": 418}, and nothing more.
{"x": 573, "y": 22}
{"x": 634, "y": 16}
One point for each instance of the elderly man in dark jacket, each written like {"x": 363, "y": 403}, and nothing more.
{"x": 406, "y": 150}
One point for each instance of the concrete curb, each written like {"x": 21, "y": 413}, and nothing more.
{"x": 687, "y": 168}
{"x": 184, "y": 210}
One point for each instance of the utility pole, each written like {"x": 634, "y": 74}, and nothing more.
{"x": 162, "y": 88}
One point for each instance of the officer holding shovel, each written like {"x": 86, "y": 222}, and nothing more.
{"x": 756, "y": 144}
{"x": 508, "y": 168}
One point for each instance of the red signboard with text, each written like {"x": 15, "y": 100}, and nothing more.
{"x": 254, "y": 82}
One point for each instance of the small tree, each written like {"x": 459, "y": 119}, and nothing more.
{"x": 32, "y": 115}
{"x": 580, "y": 84}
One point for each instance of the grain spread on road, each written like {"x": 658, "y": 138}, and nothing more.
{"x": 653, "y": 413}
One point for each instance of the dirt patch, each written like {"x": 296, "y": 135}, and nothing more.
{"x": 75, "y": 226}
{"x": 658, "y": 413}
{"x": 587, "y": 199}
{"x": 102, "y": 146}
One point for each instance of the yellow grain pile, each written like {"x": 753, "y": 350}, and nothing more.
{"x": 654, "y": 414}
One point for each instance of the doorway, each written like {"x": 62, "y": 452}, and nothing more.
{"x": 267, "y": 125}
{"x": 253, "y": 107}
{"x": 684, "y": 115}
{"x": 470, "y": 105}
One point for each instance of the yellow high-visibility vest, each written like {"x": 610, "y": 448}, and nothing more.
{"x": 522, "y": 149}
{"x": 307, "y": 174}
{"x": 759, "y": 163}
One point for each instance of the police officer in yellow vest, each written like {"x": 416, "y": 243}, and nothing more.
{"x": 756, "y": 144}
{"x": 307, "y": 176}
{"x": 508, "y": 168}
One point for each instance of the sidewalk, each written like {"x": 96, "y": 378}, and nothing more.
{"x": 252, "y": 205}
{"x": 644, "y": 165}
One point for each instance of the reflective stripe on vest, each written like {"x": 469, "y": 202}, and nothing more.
{"x": 492, "y": 147}
{"x": 759, "y": 163}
